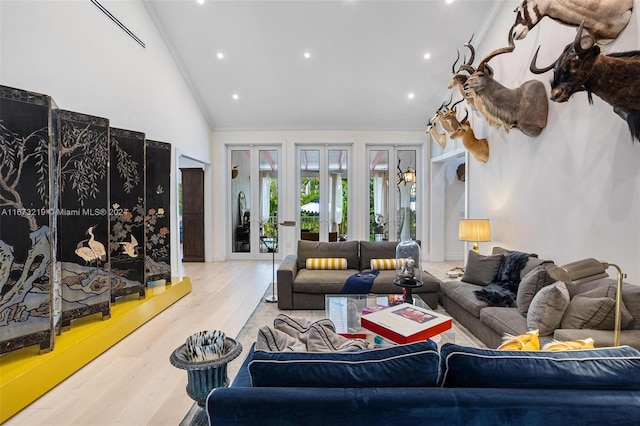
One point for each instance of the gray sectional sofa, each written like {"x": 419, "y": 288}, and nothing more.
{"x": 560, "y": 312}
{"x": 301, "y": 288}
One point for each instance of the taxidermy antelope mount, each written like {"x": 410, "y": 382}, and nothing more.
{"x": 612, "y": 77}
{"x": 524, "y": 108}
{"x": 603, "y": 19}
{"x": 460, "y": 79}
{"x": 446, "y": 116}
{"x": 439, "y": 138}
{"x": 479, "y": 148}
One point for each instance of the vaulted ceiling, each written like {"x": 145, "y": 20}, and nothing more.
{"x": 305, "y": 64}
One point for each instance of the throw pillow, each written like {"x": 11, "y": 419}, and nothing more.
{"x": 593, "y": 369}
{"x": 530, "y": 285}
{"x": 326, "y": 263}
{"x": 481, "y": 270}
{"x": 385, "y": 367}
{"x": 596, "y": 313}
{"x": 382, "y": 264}
{"x": 547, "y": 308}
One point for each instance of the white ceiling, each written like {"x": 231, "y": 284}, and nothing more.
{"x": 366, "y": 57}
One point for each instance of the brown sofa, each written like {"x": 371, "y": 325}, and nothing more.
{"x": 491, "y": 323}
{"x": 300, "y": 288}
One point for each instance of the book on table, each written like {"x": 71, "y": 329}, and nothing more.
{"x": 406, "y": 323}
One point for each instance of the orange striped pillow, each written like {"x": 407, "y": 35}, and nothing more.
{"x": 326, "y": 263}
{"x": 381, "y": 264}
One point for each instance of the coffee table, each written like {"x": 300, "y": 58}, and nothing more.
{"x": 345, "y": 311}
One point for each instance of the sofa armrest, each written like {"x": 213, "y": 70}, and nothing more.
{"x": 287, "y": 272}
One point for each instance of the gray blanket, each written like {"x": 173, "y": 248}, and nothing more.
{"x": 300, "y": 335}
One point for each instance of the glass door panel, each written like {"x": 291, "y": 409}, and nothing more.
{"x": 241, "y": 201}
{"x": 338, "y": 205}
{"x": 378, "y": 195}
{"x": 310, "y": 194}
{"x": 268, "y": 165}
{"x": 406, "y": 195}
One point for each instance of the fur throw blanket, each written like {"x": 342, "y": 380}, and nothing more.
{"x": 504, "y": 287}
{"x": 300, "y": 335}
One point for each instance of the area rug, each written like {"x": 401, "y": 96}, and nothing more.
{"x": 265, "y": 313}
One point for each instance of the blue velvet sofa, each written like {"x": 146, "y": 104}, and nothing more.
{"x": 417, "y": 384}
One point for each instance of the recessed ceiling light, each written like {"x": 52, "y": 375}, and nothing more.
{"x": 307, "y": 55}
{"x": 220, "y": 55}
{"x": 427, "y": 55}
{"x": 411, "y": 95}
{"x": 235, "y": 96}
{"x": 448, "y": 1}
{"x": 200, "y": 1}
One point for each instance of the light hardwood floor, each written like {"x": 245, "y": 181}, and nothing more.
{"x": 133, "y": 383}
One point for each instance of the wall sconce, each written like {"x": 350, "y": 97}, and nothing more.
{"x": 407, "y": 177}
{"x": 587, "y": 270}
{"x": 474, "y": 230}
{"x": 234, "y": 172}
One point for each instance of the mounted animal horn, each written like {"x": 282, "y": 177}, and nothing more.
{"x": 577, "y": 43}
{"x": 466, "y": 116}
{"x": 457, "y": 102}
{"x": 472, "y": 50}
{"x": 534, "y": 68}
{"x": 497, "y": 52}
{"x": 453, "y": 67}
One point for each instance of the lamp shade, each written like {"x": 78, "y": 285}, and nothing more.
{"x": 474, "y": 230}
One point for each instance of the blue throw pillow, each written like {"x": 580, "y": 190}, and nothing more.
{"x": 604, "y": 368}
{"x": 410, "y": 365}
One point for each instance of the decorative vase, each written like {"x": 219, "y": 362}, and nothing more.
{"x": 204, "y": 376}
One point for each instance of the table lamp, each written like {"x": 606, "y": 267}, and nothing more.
{"x": 474, "y": 230}
{"x": 587, "y": 270}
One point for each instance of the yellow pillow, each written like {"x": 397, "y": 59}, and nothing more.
{"x": 326, "y": 263}
{"x": 381, "y": 264}
{"x": 556, "y": 346}
{"x": 524, "y": 342}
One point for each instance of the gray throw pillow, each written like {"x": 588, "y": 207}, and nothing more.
{"x": 596, "y": 313}
{"x": 481, "y": 270}
{"x": 530, "y": 285}
{"x": 547, "y": 308}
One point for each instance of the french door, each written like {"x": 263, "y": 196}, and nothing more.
{"x": 394, "y": 196}
{"x": 254, "y": 200}
{"x": 323, "y": 192}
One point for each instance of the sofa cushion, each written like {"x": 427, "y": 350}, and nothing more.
{"x": 630, "y": 296}
{"x": 504, "y": 320}
{"x": 321, "y": 281}
{"x": 326, "y": 263}
{"x": 594, "y": 313}
{"x": 462, "y": 293}
{"x": 411, "y": 365}
{"x": 481, "y": 270}
{"x": 594, "y": 369}
{"x": 547, "y": 308}
{"x": 530, "y": 285}
{"x": 346, "y": 249}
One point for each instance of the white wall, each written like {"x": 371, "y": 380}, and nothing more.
{"x": 74, "y": 53}
{"x": 574, "y": 191}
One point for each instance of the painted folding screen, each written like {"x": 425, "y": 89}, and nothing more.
{"x": 83, "y": 220}
{"x": 127, "y": 213}
{"x": 26, "y": 218}
{"x": 158, "y": 183}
